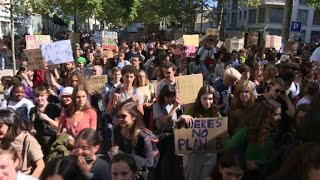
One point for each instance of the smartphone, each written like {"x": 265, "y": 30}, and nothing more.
{"x": 88, "y": 160}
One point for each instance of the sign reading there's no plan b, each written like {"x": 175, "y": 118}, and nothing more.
{"x": 57, "y": 52}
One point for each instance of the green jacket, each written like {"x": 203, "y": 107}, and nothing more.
{"x": 253, "y": 152}
{"x": 60, "y": 147}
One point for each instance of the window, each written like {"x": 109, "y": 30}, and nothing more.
{"x": 234, "y": 19}
{"x": 261, "y": 15}
{"x": 235, "y": 5}
{"x": 302, "y": 16}
{"x": 276, "y": 15}
{"x": 303, "y": 2}
{"x": 315, "y": 36}
{"x": 252, "y": 16}
{"x": 240, "y": 14}
{"x": 302, "y": 36}
{"x": 316, "y": 17}
{"x": 274, "y": 32}
{"x": 245, "y": 15}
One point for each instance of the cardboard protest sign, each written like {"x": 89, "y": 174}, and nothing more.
{"x": 291, "y": 47}
{"x": 188, "y": 87}
{"x": 57, "y": 52}
{"x": 253, "y": 39}
{"x": 234, "y": 44}
{"x": 74, "y": 37}
{"x": 220, "y": 44}
{"x": 234, "y": 34}
{"x": 109, "y": 40}
{"x": 273, "y": 41}
{"x": 191, "y": 40}
{"x": 96, "y": 83}
{"x": 206, "y": 135}
{"x": 35, "y": 59}
{"x": 35, "y": 41}
{"x": 97, "y": 38}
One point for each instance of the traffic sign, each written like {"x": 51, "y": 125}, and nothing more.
{"x": 295, "y": 26}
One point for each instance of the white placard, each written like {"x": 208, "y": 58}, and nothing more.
{"x": 57, "y": 52}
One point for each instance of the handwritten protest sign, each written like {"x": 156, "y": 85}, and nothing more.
{"x": 74, "y": 37}
{"x": 220, "y": 44}
{"x": 273, "y": 41}
{"x": 97, "y": 38}
{"x": 191, "y": 40}
{"x": 253, "y": 39}
{"x": 35, "y": 59}
{"x": 109, "y": 40}
{"x": 35, "y": 41}
{"x": 206, "y": 135}
{"x": 57, "y": 52}
{"x": 234, "y": 44}
{"x": 188, "y": 87}
{"x": 96, "y": 83}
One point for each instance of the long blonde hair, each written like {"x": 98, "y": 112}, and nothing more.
{"x": 241, "y": 85}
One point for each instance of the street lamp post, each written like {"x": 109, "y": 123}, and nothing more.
{"x": 12, "y": 38}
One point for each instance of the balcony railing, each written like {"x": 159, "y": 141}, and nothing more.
{"x": 277, "y": 2}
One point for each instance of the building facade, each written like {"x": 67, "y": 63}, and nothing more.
{"x": 268, "y": 18}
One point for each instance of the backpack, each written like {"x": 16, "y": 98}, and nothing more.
{"x": 146, "y": 133}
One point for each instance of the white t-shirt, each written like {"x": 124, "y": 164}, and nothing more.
{"x": 303, "y": 101}
{"x": 315, "y": 55}
{"x": 24, "y": 104}
{"x": 24, "y": 177}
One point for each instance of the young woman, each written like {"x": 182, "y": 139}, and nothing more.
{"x": 198, "y": 166}
{"x": 131, "y": 137}
{"x": 231, "y": 166}
{"x": 257, "y": 78}
{"x": 81, "y": 115}
{"x": 41, "y": 114}
{"x": 73, "y": 80}
{"x": 9, "y": 163}
{"x": 310, "y": 90}
{"x": 164, "y": 111}
{"x": 241, "y": 105}
{"x": 87, "y": 147}
{"x": 27, "y": 147}
{"x": 63, "y": 168}
{"x": 302, "y": 164}
{"x": 256, "y": 139}
{"x": 17, "y": 102}
{"x": 123, "y": 167}
{"x": 148, "y": 92}
{"x": 7, "y": 83}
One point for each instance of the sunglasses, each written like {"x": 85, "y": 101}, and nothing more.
{"x": 121, "y": 116}
{"x": 278, "y": 90}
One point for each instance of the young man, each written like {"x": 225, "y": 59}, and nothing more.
{"x": 168, "y": 71}
{"x": 121, "y": 61}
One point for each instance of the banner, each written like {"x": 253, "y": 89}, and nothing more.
{"x": 273, "y": 41}
{"x": 191, "y": 40}
{"x": 96, "y": 83}
{"x": 35, "y": 59}
{"x": 35, "y": 41}
{"x": 220, "y": 44}
{"x": 109, "y": 40}
{"x": 74, "y": 38}
{"x": 207, "y": 135}
{"x": 213, "y": 31}
{"x": 253, "y": 39}
{"x": 188, "y": 87}
{"x": 57, "y": 52}
{"x": 234, "y": 44}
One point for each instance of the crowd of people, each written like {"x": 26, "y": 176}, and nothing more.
{"x": 52, "y": 127}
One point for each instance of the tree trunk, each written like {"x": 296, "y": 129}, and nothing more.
{"x": 221, "y": 5}
{"x": 287, "y": 20}
{"x": 12, "y": 39}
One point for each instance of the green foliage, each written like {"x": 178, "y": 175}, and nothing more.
{"x": 314, "y": 3}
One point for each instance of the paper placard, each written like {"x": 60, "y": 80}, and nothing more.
{"x": 220, "y": 44}
{"x": 96, "y": 83}
{"x": 35, "y": 59}
{"x": 191, "y": 40}
{"x": 234, "y": 44}
{"x": 35, "y": 41}
{"x": 291, "y": 47}
{"x": 57, "y": 52}
{"x": 74, "y": 37}
{"x": 109, "y": 40}
{"x": 97, "y": 38}
{"x": 206, "y": 135}
{"x": 273, "y": 41}
{"x": 253, "y": 39}
{"x": 188, "y": 87}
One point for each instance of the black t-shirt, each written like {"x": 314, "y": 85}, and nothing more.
{"x": 42, "y": 127}
{"x": 100, "y": 170}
